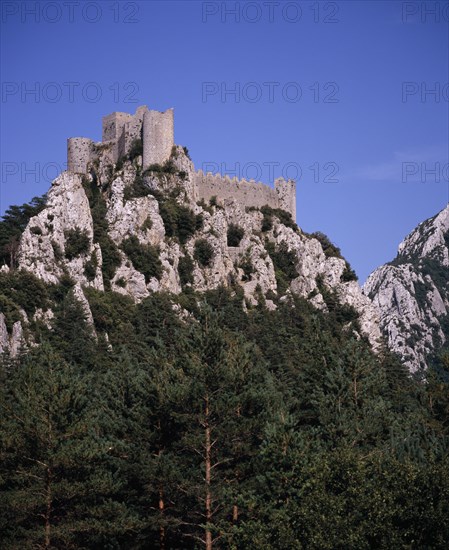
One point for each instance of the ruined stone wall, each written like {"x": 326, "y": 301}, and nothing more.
{"x": 79, "y": 154}
{"x": 113, "y": 125}
{"x": 158, "y": 137}
{"x": 132, "y": 130}
{"x": 113, "y": 129}
{"x": 248, "y": 193}
{"x": 119, "y": 132}
{"x": 286, "y": 191}
{"x": 105, "y": 154}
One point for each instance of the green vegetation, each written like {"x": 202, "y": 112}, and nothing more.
{"x": 332, "y": 251}
{"x": 12, "y": 225}
{"x": 185, "y": 270}
{"x": 281, "y": 427}
{"x": 329, "y": 248}
{"x": 340, "y": 313}
{"x": 247, "y": 266}
{"x": 204, "y": 252}
{"x": 235, "y": 234}
{"x": 186, "y": 152}
{"x": 283, "y": 216}
{"x": 436, "y": 270}
{"x": 227, "y": 426}
{"x": 109, "y": 251}
{"x": 284, "y": 262}
{"x": 167, "y": 168}
{"x": 90, "y": 269}
{"x": 348, "y": 274}
{"x": 57, "y": 250}
{"x": 21, "y": 289}
{"x": 446, "y": 239}
{"x": 76, "y": 243}
{"x": 205, "y": 206}
{"x": 179, "y": 220}
{"x": 10, "y": 310}
{"x": 121, "y": 282}
{"x": 113, "y": 314}
{"x": 147, "y": 224}
{"x": 144, "y": 257}
{"x": 137, "y": 189}
{"x": 136, "y": 149}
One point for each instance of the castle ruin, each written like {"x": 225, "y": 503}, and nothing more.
{"x": 120, "y": 131}
{"x": 156, "y": 131}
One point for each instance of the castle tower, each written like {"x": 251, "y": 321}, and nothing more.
{"x": 113, "y": 131}
{"x": 79, "y": 153}
{"x": 158, "y": 136}
{"x": 286, "y": 191}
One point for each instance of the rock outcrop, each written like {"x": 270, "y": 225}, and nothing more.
{"x": 412, "y": 293}
{"x": 150, "y": 226}
{"x": 44, "y": 244}
{"x": 11, "y": 343}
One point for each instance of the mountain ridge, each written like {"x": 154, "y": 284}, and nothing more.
{"x": 412, "y": 293}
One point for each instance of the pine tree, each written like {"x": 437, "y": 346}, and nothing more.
{"x": 223, "y": 407}
{"x": 71, "y": 334}
{"x": 56, "y": 486}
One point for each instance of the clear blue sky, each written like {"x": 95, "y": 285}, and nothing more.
{"x": 337, "y": 106}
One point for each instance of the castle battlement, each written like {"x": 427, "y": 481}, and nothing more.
{"x": 120, "y": 131}
{"x": 156, "y": 130}
{"x": 248, "y": 193}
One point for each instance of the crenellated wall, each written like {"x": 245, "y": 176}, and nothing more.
{"x": 247, "y": 193}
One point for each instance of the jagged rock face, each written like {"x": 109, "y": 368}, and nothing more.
{"x": 4, "y": 336}
{"x": 11, "y": 343}
{"x": 412, "y": 292}
{"x": 44, "y": 241}
{"x": 313, "y": 264}
{"x": 137, "y": 215}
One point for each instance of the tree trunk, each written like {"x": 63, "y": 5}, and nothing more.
{"x": 161, "y": 510}
{"x": 235, "y": 513}
{"x": 208, "y": 478}
{"x": 355, "y": 392}
{"x": 161, "y": 501}
{"x": 48, "y": 500}
{"x": 48, "y": 485}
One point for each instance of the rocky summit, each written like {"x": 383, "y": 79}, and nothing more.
{"x": 412, "y": 293}
{"x": 137, "y": 230}
{"x": 118, "y": 221}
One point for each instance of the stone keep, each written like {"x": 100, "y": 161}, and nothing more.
{"x": 79, "y": 153}
{"x": 158, "y": 137}
{"x": 120, "y": 130}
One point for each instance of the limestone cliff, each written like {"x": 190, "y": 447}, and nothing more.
{"x": 412, "y": 293}
{"x": 136, "y": 232}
